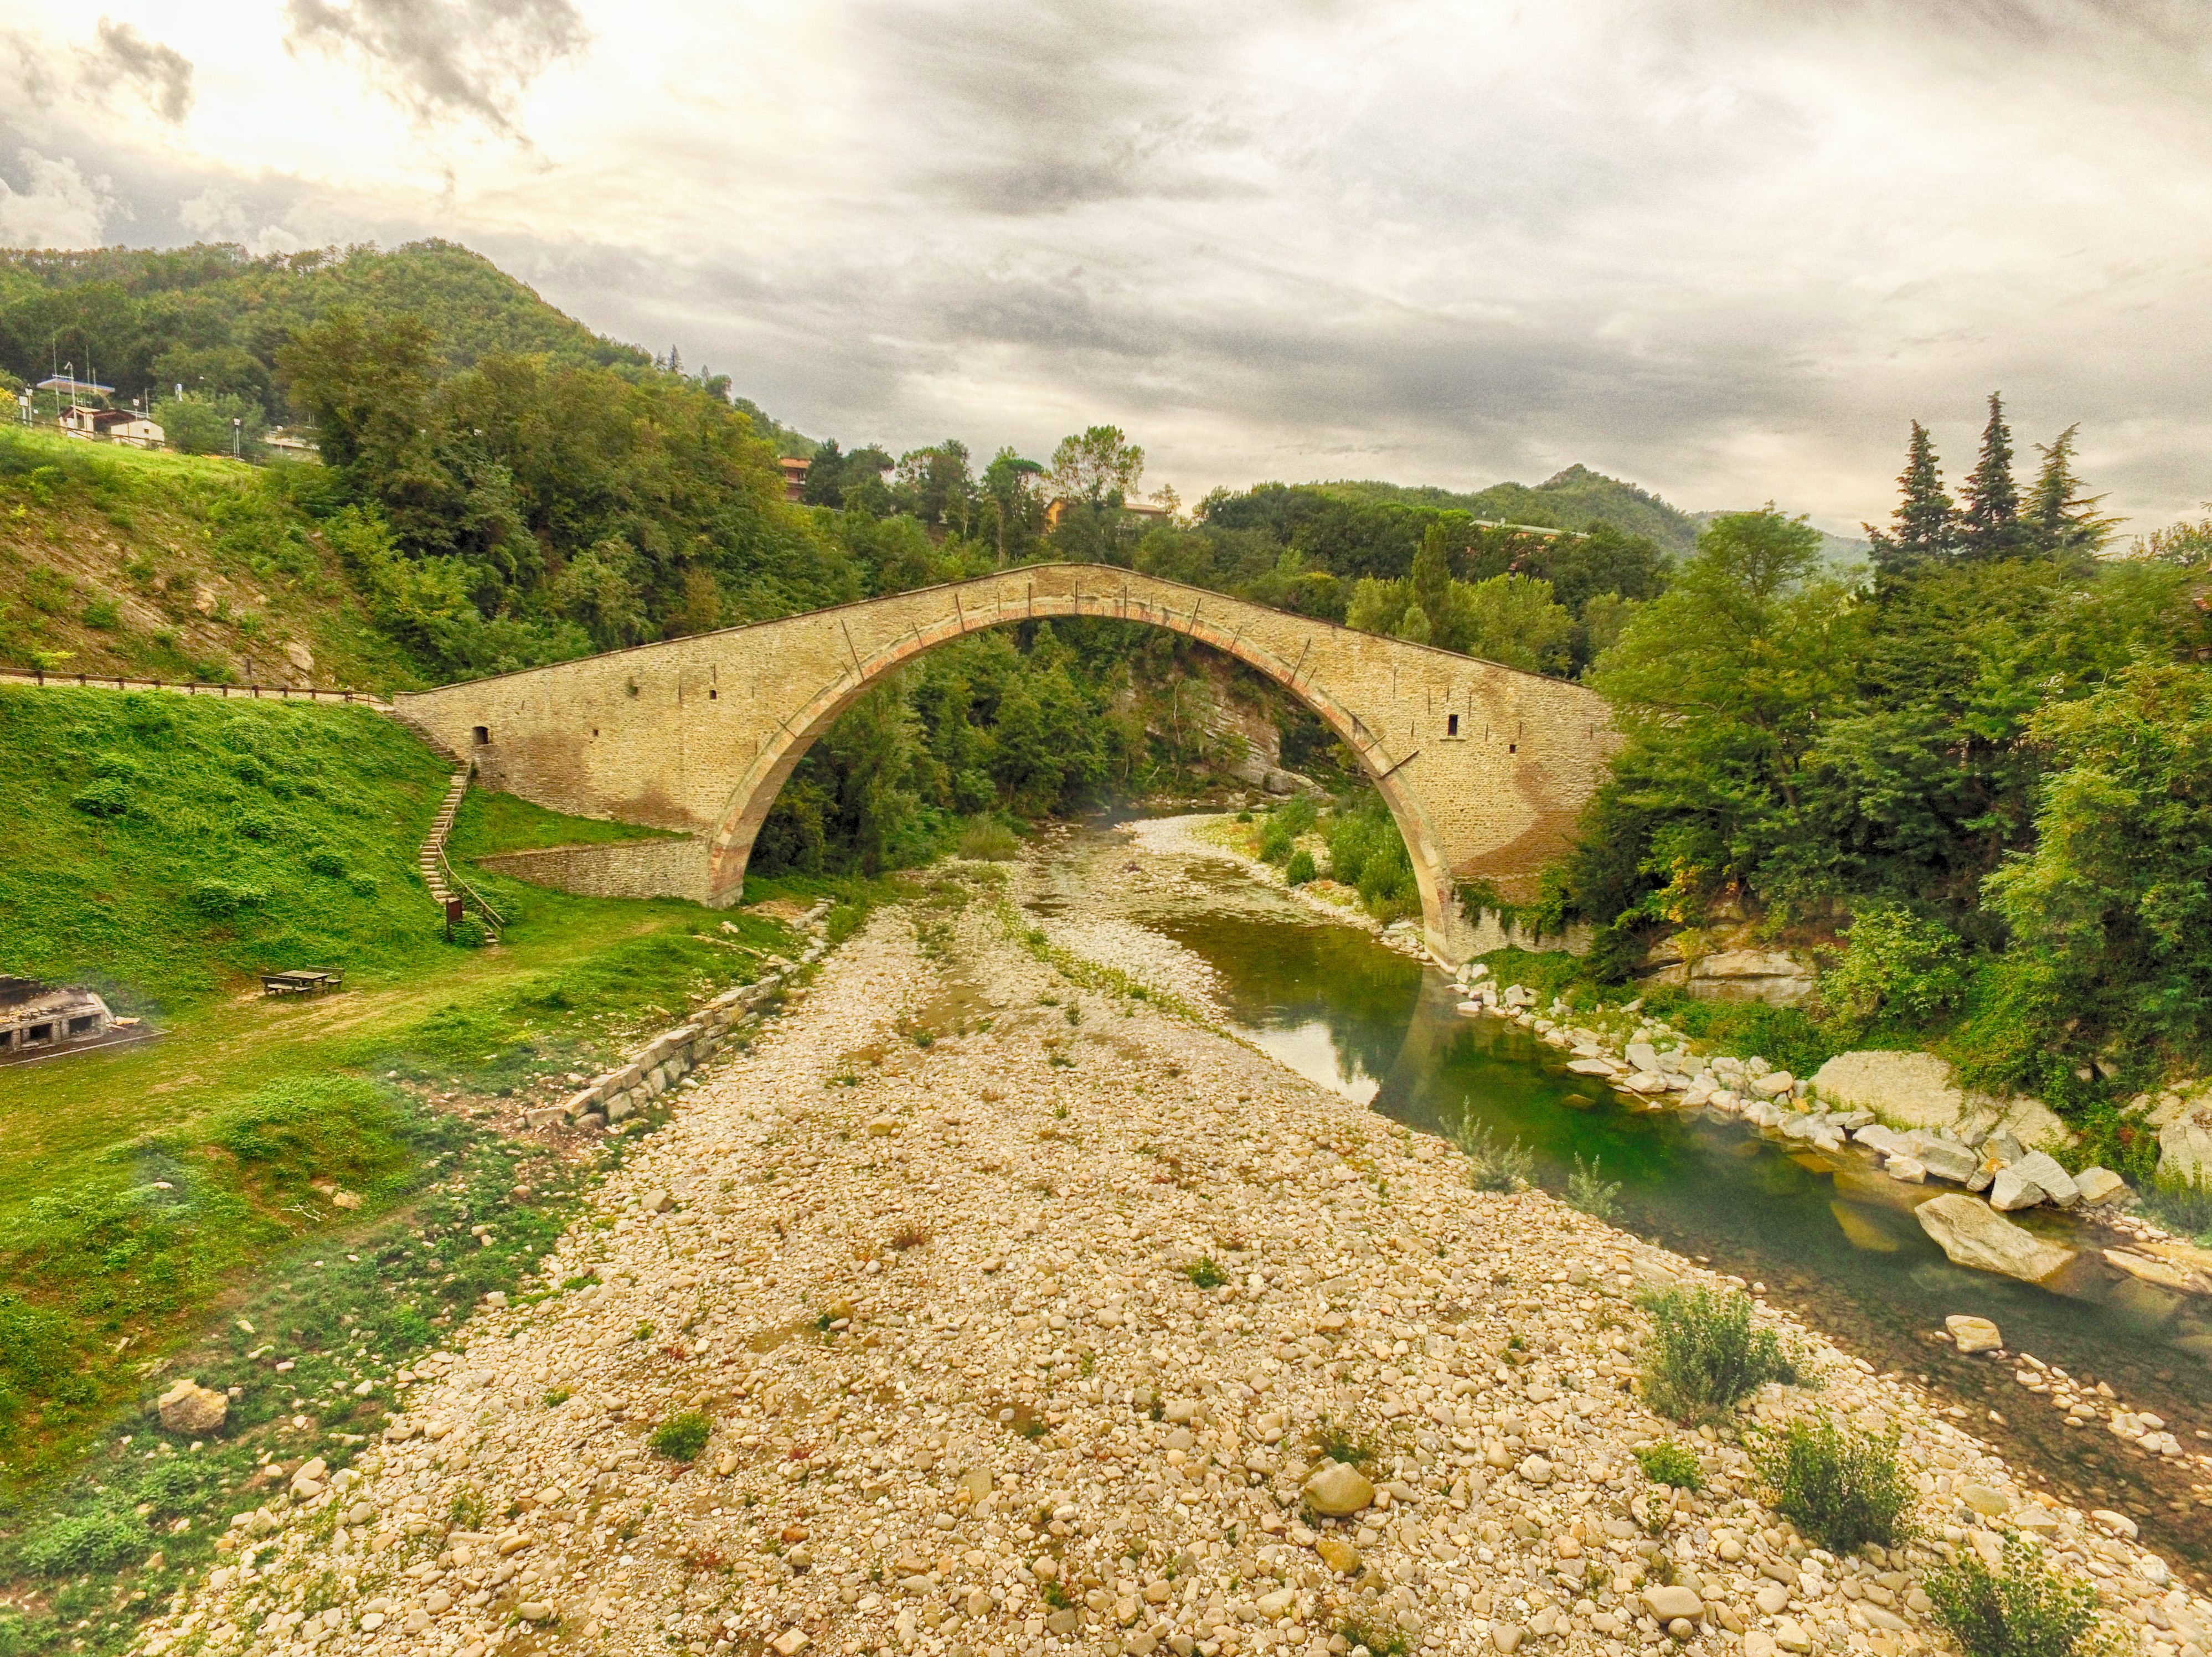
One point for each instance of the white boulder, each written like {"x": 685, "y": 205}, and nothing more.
{"x": 1975, "y": 1235}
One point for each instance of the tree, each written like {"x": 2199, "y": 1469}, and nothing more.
{"x": 2116, "y": 898}
{"x": 1377, "y": 606}
{"x": 1925, "y": 525}
{"x": 1512, "y": 619}
{"x": 935, "y": 485}
{"x": 1010, "y": 502}
{"x": 364, "y": 381}
{"x": 863, "y": 487}
{"x": 1721, "y": 684}
{"x": 2059, "y": 519}
{"x": 1100, "y": 468}
{"x": 1432, "y": 586}
{"x": 825, "y": 477}
{"x": 1989, "y": 514}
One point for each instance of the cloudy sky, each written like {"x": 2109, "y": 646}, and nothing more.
{"x": 1725, "y": 249}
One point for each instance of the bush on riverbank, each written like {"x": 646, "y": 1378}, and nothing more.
{"x": 1706, "y": 1356}
{"x": 1491, "y": 1165}
{"x": 2020, "y": 1610}
{"x": 1365, "y": 850}
{"x": 1840, "y": 1489}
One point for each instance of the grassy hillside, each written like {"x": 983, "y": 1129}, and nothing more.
{"x": 166, "y": 848}
{"x": 1573, "y": 499}
{"x": 175, "y": 567}
{"x": 212, "y": 317}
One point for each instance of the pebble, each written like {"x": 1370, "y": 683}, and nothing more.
{"x": 1094, "y": 1322}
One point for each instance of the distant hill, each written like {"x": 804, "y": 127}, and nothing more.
{"x": 1572, "y": 499}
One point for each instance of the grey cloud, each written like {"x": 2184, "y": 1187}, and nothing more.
{"x": 446, "y": 58}
{"x": 1722, "y": 248}
{"x": 160, "y": 72}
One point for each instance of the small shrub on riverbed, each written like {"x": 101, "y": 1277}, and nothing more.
{"x": 1672, "y": 1463}
{"x": 2022, "y": 1610}
{"x": 1841, "y": 1489}
{"x": 1379, "y": 1639}
{"x": 1705, "y": 1356}
{"x": 1491, "y": 1166}
{"x": 1587, "y": 1192}
{"x": 681, "y": 1438}
{"x": 1300, "y": 869}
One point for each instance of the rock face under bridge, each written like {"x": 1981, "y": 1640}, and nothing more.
{"x": 1485, "y": 767}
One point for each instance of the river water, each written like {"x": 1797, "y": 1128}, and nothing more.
{"x": 1830, "y": 1238}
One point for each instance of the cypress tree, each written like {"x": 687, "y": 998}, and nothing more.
{"x": 2059, "y": 517}
{"x": 1432, "y": 585}
{"x": 1989, "y": 519}
{"x": 1925, "y": 524}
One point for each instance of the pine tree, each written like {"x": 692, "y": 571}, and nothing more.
{"x": 2059, "y": 517}
{"x": 1925, "y": 524}
{"x": 1989, "y": 517}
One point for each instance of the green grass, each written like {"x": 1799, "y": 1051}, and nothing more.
{"x": 343, "y": 1305}
{"x": 681, "y": 1438}
{"x": 1590, "y": 1191}
{"x": 488, "y": 824}
{"x": 161, "y": 847}
{"x": 105, "y": 554}
{"x": 1205, "y": 1273}
{"x": 1491, "y": 1165}
{"x": 2022, "y": 1609}
{"x": 1671, "y": 1464}
{"x": 138, "y": 1185}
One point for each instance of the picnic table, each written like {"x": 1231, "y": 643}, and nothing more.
{"x": 302, "y": 981}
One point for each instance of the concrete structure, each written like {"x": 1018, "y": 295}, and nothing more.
{"x": 1485, "y": 767}
{"x": 36, "y": 1018}
{"x": 112, "y": 425}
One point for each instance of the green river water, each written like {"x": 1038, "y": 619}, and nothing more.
{"x": 1832, "y": 1239}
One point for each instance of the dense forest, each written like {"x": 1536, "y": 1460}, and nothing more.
{"x": 1971, "y": 771}
{"x": 1977, "y": 780}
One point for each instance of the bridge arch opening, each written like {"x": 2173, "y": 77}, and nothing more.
{"x": 749, "y": 803}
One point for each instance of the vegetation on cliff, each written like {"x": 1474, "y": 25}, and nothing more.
{"x": 1976, "y": 780}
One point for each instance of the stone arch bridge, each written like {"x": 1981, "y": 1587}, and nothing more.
{"x": 1485, "y": 766}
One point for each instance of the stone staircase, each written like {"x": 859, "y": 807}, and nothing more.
{"x": 447, "y": 887}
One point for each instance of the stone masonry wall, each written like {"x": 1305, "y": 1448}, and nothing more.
{"x": 630, "y": 868}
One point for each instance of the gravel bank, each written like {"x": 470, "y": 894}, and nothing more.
{"x": 1019, "y": 1312}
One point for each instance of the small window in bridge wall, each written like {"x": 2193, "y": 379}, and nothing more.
{"x": 482, "y": 734}
{"x": 1451, "y": 725}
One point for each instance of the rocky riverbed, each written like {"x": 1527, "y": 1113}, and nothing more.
{"x": 1019, "y": 1313}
